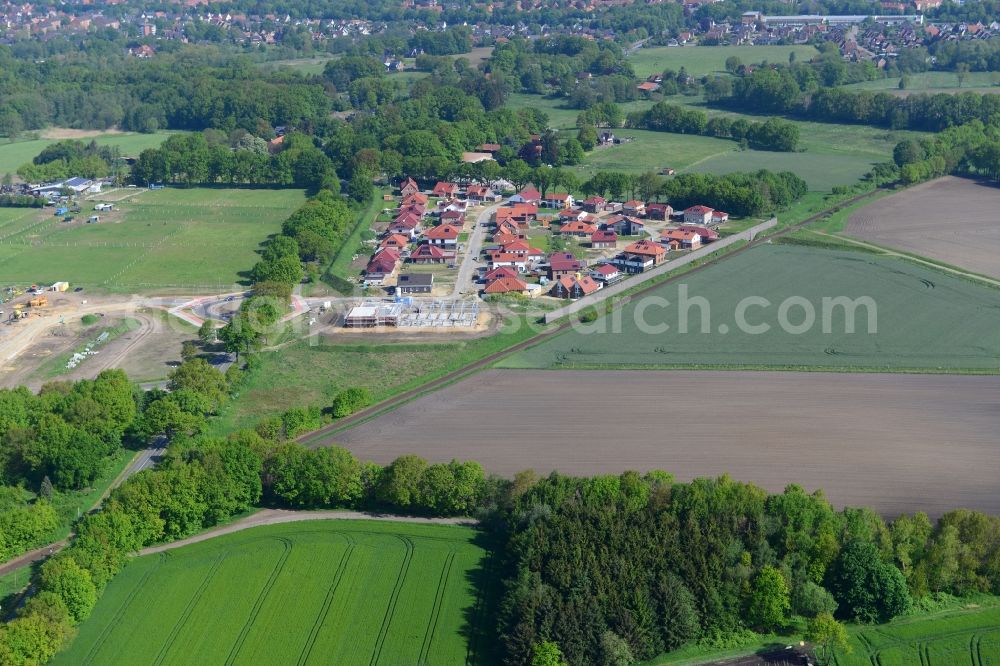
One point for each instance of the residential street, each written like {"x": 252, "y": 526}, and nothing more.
{"x": 464, "y": 283}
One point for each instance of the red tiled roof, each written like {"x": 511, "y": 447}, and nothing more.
{"x": 506, "y": 284}
{"x": 604, "y": 237}
{"x": 444, "y": 232}
{"x": 645, "y": 247}
{"x": 499, "y": 272}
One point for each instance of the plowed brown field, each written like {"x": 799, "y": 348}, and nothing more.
{"x": 896, "y": 443}
{"x": 953, "y": 220}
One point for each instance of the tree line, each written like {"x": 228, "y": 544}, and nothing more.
{"x": 772, "y": 134}
{"x": 741, "y": 194}
{"x": 784, "y": 89}
{"x": 606, "y": 569}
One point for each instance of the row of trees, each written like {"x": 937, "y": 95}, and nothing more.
{"x": 973, "y": 148}
{"x": 772, "y": 134}
{"x": 742, "y": 194}
{"x": 208, "y": 158}
{"x": 639, "y": 565}
{"x": 780, "y": 90}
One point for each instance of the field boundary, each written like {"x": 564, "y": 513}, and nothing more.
{"x": 747, "y": 235}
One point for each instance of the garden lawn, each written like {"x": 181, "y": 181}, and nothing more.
{"x": 702, "y": 60}
{"x": 321, "y": 592}
{"x": 916, "y": 311}
{"x": 183, "y": 239}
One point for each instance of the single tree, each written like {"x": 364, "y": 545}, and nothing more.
{"x": 828, "y": 636}
{"x": 769, "y": 600}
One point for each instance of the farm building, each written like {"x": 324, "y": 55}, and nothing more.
{"x": 414, "y": 283}
{"x": 370, "y": 315}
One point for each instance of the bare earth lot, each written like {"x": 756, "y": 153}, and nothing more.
{"x": 897, "y": 443}
{"x": 954, "y": 220}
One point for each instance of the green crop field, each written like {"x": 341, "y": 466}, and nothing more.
{"x": 163, "y": 239}
{"x": 701, "y": 60}
{"x": 13, "y": 155}
{"x": 917, "y": 314}
{"x": 323, "y": 592}
{"x": 969, "y": 636}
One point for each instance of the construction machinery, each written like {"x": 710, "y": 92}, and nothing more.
{"x": 39, "y": 301}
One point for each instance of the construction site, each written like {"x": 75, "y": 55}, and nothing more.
{"x": 412, "y": 313}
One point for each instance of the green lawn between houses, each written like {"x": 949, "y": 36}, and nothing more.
{"x": 323, "y": 592}
{"x": 917, "y": 310}
{"x": 175, "y": 238}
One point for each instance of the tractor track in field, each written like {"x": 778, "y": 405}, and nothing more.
{"x": 327, "y": 602}
{"x": 390, "y": 609}
{"x": 320, "y": 437}
{"x": 117, "y": 617}
{"x": 425, "y": 646}
{"x": 261, "y": 598}
{"x": 188, "y": 610}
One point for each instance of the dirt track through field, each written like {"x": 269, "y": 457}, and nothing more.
{"x": 897, "y": 443}
{"x": 953, "y": 220}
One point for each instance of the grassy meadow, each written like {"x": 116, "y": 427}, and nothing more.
{"x": 322, "y": 592}
{"x": 313, "y": 371}
{"x": 830, "y": 154}
{"x": 702, "y": 60}
{"x": 935, "y": 82}
{"x": 915, "y": 313}
{"x": 13, "y": 155}
{"x": 164, "y": 239}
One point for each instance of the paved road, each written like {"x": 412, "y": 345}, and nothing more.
{"x": 145, "y": 459}
{"x": 277, "y": 516}
{"x": 466, "y": 272}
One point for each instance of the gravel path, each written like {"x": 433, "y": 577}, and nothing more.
{"x": 277, "y": 516}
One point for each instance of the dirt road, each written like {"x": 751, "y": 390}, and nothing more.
{"x": 276, "y": 516}
{"x": 898, "y": 443}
